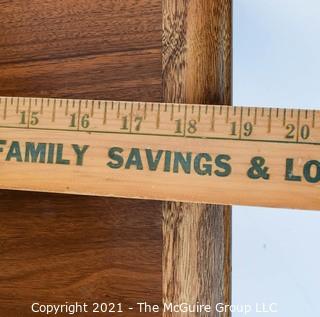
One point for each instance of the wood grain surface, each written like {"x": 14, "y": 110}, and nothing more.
{"x": 197, "y": 69}
{"x": 56, "y": 248}
{"x": 116, "y": 43}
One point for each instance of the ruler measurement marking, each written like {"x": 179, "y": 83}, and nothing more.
{"x": 92, "y": 108}
{"x": 255, "y": 116}
{"x": 118, "y": 111}
{"x": 158, "y": 117}
{"x": 18, "y": 103}
{"x": 29, "y": 113}
{"x": 284, "y": 117}
{"x": 227, "y": 116}
{"x": 66, "y": 108}
{"x": 240, "y": 129}
{"x": 213, "y": 119}
{"x": 105, "y": 113}
{"x": 131, "y": 115}
{"x": 313, "y": 119}
{"x": 41, "y": 106}
{"x": 5, "y": 108}
{"x": 167, "y": 135}
{"x": 298, "y": 126}
{"x": 171, "y": 116}
{"x": 269, "y": 120}
{"x": 145, "y": 111}
{"x": 311, "y": 116}
{"x": 53, "y": 116}
{"x": 79, "y": 114}
{"x": 185, "y": 120}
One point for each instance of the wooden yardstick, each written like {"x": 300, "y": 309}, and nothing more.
{"x": 195, "y": 153}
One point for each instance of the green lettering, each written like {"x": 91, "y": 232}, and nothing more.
{"x": 203, "y": 169}
{"x": 14, "y": 152}
{"x": 114, "y": 155}
{"x": 59, "y": 158}
{"x": 2, "y": 142}
{"x": 50, "y": 158}
{"x": 307, "y": 171}
{"x": 289, "y": 172}
{"x": 134, "y": 159}
{"x": 220, "y": 162}
{"x": 167, "y": 161}
{"x": 80, "y": 152}
{"x": 184, "y": 162}
{"x": 153, "y": 162}
{"x": 35, "y": 153}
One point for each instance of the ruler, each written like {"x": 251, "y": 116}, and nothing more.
{"x": 177, "y": 152}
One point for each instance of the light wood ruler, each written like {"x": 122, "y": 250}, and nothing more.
{"x": 195, "y": 153}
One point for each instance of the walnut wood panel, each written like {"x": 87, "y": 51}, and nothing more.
{"x": 197, "y": 69}
{"x": 93, "y": 49}
{"x": 56, "y": 248}
{"x": 122, "y": 75}
{"x": 45, "y": 29}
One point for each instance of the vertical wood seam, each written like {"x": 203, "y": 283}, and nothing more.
{"x": 196, "y": 69}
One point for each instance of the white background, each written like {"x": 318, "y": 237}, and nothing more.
{"x": 276, "y": 253}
